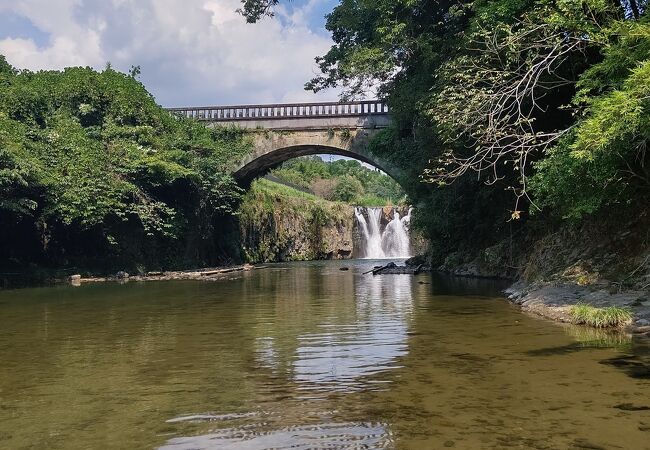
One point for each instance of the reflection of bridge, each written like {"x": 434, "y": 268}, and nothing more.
{"x": 299, "y": 129}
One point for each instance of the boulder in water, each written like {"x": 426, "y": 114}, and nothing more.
{"x": 415, "y": 261}
{"x": 393, "y": 269}
{"x": 75, "y": 280}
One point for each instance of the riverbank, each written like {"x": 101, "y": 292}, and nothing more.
{"x": 548, "y": 299}
{"x": 554, "y": 300}
{"x": 205, "y": 274}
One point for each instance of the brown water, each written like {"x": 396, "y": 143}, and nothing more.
{"x": 306, "y": 356}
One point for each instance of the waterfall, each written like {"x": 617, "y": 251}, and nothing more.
{"x": 392, "y": 241}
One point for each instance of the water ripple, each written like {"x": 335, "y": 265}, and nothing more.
{"x": 323, "y": 436}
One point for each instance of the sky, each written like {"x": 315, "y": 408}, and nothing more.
{"x": 191, "y": 52}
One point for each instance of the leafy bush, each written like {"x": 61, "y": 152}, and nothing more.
{"x": 604, "y": 160}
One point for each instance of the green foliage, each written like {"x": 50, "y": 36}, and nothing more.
{"x": 350, "y": 181}
{"x": 377, "y": 41}
{"x": 268, "y": 191}
{"x": 609, "y": 317}
{"x": 254, "y": 10}
{"x": 604, "y": 160}
{"x": 348, "y": 189}
{"x": 86, "y": 153}
{"x": 494, "y": 91}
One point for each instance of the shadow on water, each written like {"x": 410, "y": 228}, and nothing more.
{"x": 442, "y": 284}
{"x": 635, "y": 360}
{"x": 636, "y": 363}
{"x": 19, "y": 280}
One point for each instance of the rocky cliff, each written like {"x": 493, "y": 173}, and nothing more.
{"x": 278, "y": 223}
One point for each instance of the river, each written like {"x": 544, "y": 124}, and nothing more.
{"x": 307, "y": 356}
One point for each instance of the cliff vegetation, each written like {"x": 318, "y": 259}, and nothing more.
{"x": 281, "y": 223}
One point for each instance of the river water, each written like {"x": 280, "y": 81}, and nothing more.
{"x": 307, "y": 356}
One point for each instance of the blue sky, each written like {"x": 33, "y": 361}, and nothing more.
{"x": 191, "y": 52}
{"x": 13, "y": 25}
{"x": 316, "y": 17}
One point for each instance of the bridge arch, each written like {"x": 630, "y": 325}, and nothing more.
{"x": 270, "y": 151}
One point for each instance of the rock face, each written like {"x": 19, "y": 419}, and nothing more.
{"x": 598, "y": 251}
{"x": 296, "y": 230}
{"x": 491, "y": 262}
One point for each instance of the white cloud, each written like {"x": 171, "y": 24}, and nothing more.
{"x": 192, "y": 52}
{"x": 74, "y": 45}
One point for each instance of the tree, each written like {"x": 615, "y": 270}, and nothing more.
{"x": 496, "y": 97}
{"x": 254, "y": 10}
{"x": 348, "y": 189}
{"x": 604, "y": 160}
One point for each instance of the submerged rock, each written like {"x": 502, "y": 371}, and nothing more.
{"x": 393, "y": 269}
{"x": 75, "y": 280}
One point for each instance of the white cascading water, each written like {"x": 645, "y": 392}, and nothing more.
{"x": 392, "y": 242}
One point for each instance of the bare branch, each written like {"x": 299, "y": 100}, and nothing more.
{"x": 492, "y": 99}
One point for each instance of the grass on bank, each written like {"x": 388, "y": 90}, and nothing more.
{"x": 609, "y": 317}
{"x": 268, "y": 197}
{"x": 269, "y": 187}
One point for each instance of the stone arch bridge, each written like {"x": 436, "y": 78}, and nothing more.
{"x": 282, "y": 132}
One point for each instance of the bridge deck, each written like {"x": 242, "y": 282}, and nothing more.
{"x": 359, "y": 114}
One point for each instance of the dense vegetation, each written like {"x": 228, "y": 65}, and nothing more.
{"x": 341, "y": 180}
{"x": 519, "y": 113}
{"x": 93, "y": 172}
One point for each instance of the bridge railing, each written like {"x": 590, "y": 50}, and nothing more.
{"x": 283, "y": 111}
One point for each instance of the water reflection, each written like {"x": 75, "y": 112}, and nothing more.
{"x": 361, "y": 330}
{"x": 445, "y": 285}
{"x": 587, "y": 337}
{"x": 357, "y": 329}
{"x": 322, "y": 436}
{"x": 341, "y": 356}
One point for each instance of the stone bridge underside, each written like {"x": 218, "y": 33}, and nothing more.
{"x": 283, "y": 132}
